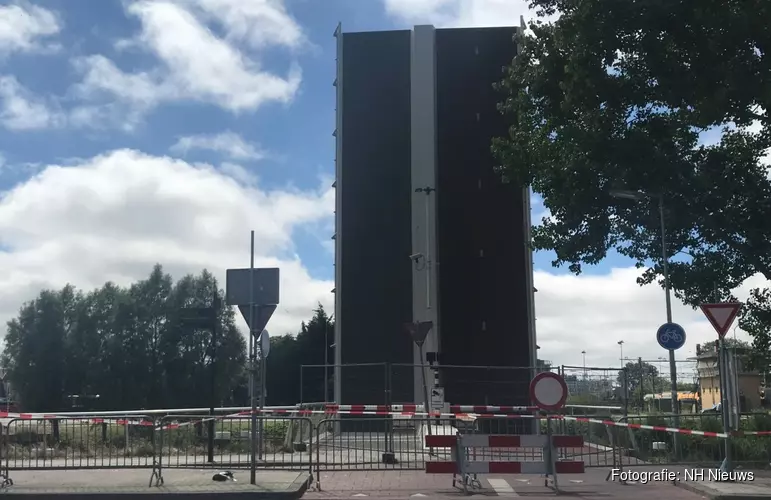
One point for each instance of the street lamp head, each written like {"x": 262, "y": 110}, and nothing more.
{"x": 628, "y": 195}
{"x": 583, "y": 352}
{"x": 620, "y": 342}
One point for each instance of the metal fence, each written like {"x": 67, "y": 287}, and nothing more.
{"x": 77, "y": 443}
{"x": 319, "y": 442}
{"x": 594, "y": 386}
{"x": 647, "y": 446}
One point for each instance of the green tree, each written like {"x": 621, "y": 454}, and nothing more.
{"x": 34, "y": 347}
{"x": 125, "y": 345}
{"x": 640, "y": 378}
{"x": 613, "y": 95}
{"x": 289, "y": 353}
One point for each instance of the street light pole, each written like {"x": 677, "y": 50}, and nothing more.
{"x": 667, "y": 289}
{"x": 637, "y": 196}
{"x": 584, "y": 355}
{"x": 621, "y": 353}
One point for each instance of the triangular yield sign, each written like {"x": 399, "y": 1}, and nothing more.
{"x": 721, "y": 316}
{"x": 419, "y": 330}
{"x": 262, "y": 315}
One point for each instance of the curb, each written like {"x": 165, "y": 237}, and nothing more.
{"x": 295, "y": 490}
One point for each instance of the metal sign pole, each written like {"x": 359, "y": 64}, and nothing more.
{"x": 721, "y": 316}
{"x": 213, "y": 374}
{"x": 725, "y": 404}
{"x": 252, "y": 367}
{"x": 263, "y": 373}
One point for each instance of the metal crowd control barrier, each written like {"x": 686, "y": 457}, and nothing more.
{"x": 460, "y": 465}
{"x": 55, "y": 442}
{"x": 280, "y": 443}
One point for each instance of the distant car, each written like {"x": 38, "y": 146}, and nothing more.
{"x": 713, "y": 409}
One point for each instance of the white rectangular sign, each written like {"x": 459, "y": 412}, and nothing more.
{"x": 437, "y": 398}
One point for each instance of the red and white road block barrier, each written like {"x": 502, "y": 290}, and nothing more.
{"x": 503, "y": 441}
{"x": 506, "y": 441}
{"x": 461, "y": 443}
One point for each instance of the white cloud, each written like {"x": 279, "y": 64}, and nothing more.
{"x": 195, "y": 64}
{"x": 228, "y": 143}
{"x": 257, "y": 22}
{"x": 594, "y": 312}
{"x": 112, "y": 217}
{"x": 20, "y": 109}
{"x": 238, "y": 173}
{"x": 460, "y": 13}
{"x": 26, "y": 28}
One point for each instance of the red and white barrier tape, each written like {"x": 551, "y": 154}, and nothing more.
{"x": 611, "y": 423}
{"x": 373, "y": 413}
{"x": 418, "y": 408}
{"x": 673, "y": 430}
{"x": 407, "y": 410}
{"x": 89, "y": 420}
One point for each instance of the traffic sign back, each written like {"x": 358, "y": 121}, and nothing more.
{"x": 419, "y": 330}
{"x": 262, "y": 315}
{"x": 264, "y": 343}
{"x": 721, "y": 316}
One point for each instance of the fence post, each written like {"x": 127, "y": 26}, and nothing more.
{"x": 388, "y": 456}
{"x": 302, "y": 384}
{"x": 625, "y": 390}
{"x": 310, "y": 443}
{"x": 5, "y": 465}
{"x": 642, "y": 384}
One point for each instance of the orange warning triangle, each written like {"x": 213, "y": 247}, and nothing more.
{"x": 721, "y": 315}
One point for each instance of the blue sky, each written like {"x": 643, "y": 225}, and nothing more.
{"x": 143, "y": 131}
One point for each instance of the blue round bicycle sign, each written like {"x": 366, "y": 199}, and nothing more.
{"x": 671, "y": 336}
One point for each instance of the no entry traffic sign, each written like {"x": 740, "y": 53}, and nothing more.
{"x": 548, "y": 391}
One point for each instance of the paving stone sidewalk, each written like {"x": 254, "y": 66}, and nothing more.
{"x": 182, "y": 483}
{"x": 757, "y": 489}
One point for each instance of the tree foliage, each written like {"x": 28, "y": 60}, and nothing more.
{"x": 129, "y": 347}
{"x": 288, "y": 383}
{"x": 636, "y": 375}
{"x": 614, "y": 95}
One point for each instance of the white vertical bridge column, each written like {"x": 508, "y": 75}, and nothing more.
{"x": 338, "y": 212}
{"x": 424, "y": 178}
